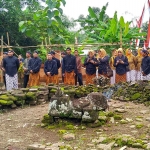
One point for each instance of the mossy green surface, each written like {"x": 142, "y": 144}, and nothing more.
{"x": 6, "y": 102}
{"x": 13, "y": 98}
{"x": 118, "y": 117}
{"x": 47, "y": 119}
{"x": 53, "y": 90}
{"x": 139, "y": 126}
{"x": 4, "y": 97}
{"x": 97, "y": 124}
{"x": 62, "y": 131}
{"x": 135, "y": 96}
{"x": 110, "y": 114}
{"x": 69, "y": 127}
{"x": 30, "y": 96}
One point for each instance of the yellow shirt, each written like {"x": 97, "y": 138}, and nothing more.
{"x": 111, "y": 63}
{"x": 138, "y": 62}
{"x": 132, "y": 62}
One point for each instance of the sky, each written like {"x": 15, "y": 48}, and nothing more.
{"x": 130, "y": 9}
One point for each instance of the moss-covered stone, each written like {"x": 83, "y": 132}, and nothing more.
{"x": 4, "y": 97}
{"x": 12, "y": 98}
{"x": 69, "y": 127}
{"x": 135, "y": 96}
{"x": 62, "y": 131}
{"x": 137, "y": 145}
{"x": 110, "y": 114}
{"x": 96, "y": 124}
{"x": 47, "y": 119}
{"x": 25, "y": 89}
{"x": 6, "y": 102}
{"x": 51, "y": 127}
{"x": 138, "y": 126}
{"x": 20, "y": 96}
{"x": 118, "y": 117}
{"x": 53, "y": 91}
{"x": 123, "y": 121}
{"x": 20, "y": 102}
{"x": 30, "y": 96}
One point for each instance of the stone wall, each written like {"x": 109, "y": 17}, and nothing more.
{"x": 23, "y": 96}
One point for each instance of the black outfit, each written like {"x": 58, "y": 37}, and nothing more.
{"x": 69, "y": 64}
{"x": 11, "y": 65}
{"x": 78, "y": 77}
{"x": 145, "y": 65}
{"x": 103, "y": 64}
{"x": 25, "y": 81}
{"x": 61, "y": 70}
{"x": 34, "y": 64}
{"x": 26, "y": 73}
{"x": 51, "y": 66}
{"x": 90, "y": 67}
{"x": 121, "y": 68}
{"x": 58, "y": 62}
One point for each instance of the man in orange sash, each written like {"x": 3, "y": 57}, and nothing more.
{"x": 34, "y": 69}
{"x": 69, "y": 68}
{"x": 56, "y": 78}
{"x": 50, "y": 69}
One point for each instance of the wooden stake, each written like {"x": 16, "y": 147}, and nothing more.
{"x": 120, "y": 37}
{"x": 1, "y": 72}
{"x": 8, "y": 39}
{"x": 46, "y": 41}
{"x": 1, "y": 45}
{"x": 49, "y": 40}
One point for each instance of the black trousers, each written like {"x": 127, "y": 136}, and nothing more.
{"x": 26, "y": 79}
{"x": 4, "y": 79}
{"x": 62, "y": 79}
{"x": 78, "y": 77}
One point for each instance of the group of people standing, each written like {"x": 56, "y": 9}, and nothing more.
{"x": 70, "y": 64}
{"x": 126, "y": 67}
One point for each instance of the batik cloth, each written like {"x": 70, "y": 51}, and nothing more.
{"x": 131, "y": 76}
{"x": 69, "y": 78}
{"x": 147, "y": 77}
{"x": 112, "y": 79}
{"x": 138, "y": 75}
{"x": 103, "y": 75}
{"x": 52, "y": 79}
{"x": 120, "y": 78}
{"x": 89, "y": 78}
{"x": 11, "y": 82}
{"x": 34, "y": 79}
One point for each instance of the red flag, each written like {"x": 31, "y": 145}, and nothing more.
{"x": 147, "y": 41}
{"x": 139, "y": 24}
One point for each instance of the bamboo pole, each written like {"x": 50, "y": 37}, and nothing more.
{"x": 1, "y": 45}
{"x": 120, "y": 37}
{"x": 8, "y": 38}
{"x": 59, "y": 45}
{"x": 46, "y": 41}
{"x": 1, "y": 56}
{"x": 49, "y": 40}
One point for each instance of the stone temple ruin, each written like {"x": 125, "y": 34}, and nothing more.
{"x": 85, "y": 108}
{"x": 78, "y": 102}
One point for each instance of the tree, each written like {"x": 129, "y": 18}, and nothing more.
{"x": 96, "y": 11}
{"x": 11, "y": 14}
{"x": 46, "y": 23}
{"x": 68, "y": 23}
{"x": 101, "y": 29}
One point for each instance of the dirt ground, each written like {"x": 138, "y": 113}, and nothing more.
{"x": 20, "y": 127}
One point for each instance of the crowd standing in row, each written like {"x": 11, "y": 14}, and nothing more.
{"x": 126, "y": 67}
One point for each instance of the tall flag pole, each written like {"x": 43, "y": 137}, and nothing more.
{"x": 139, "y": 25}
{"x": 147, "y": 41}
